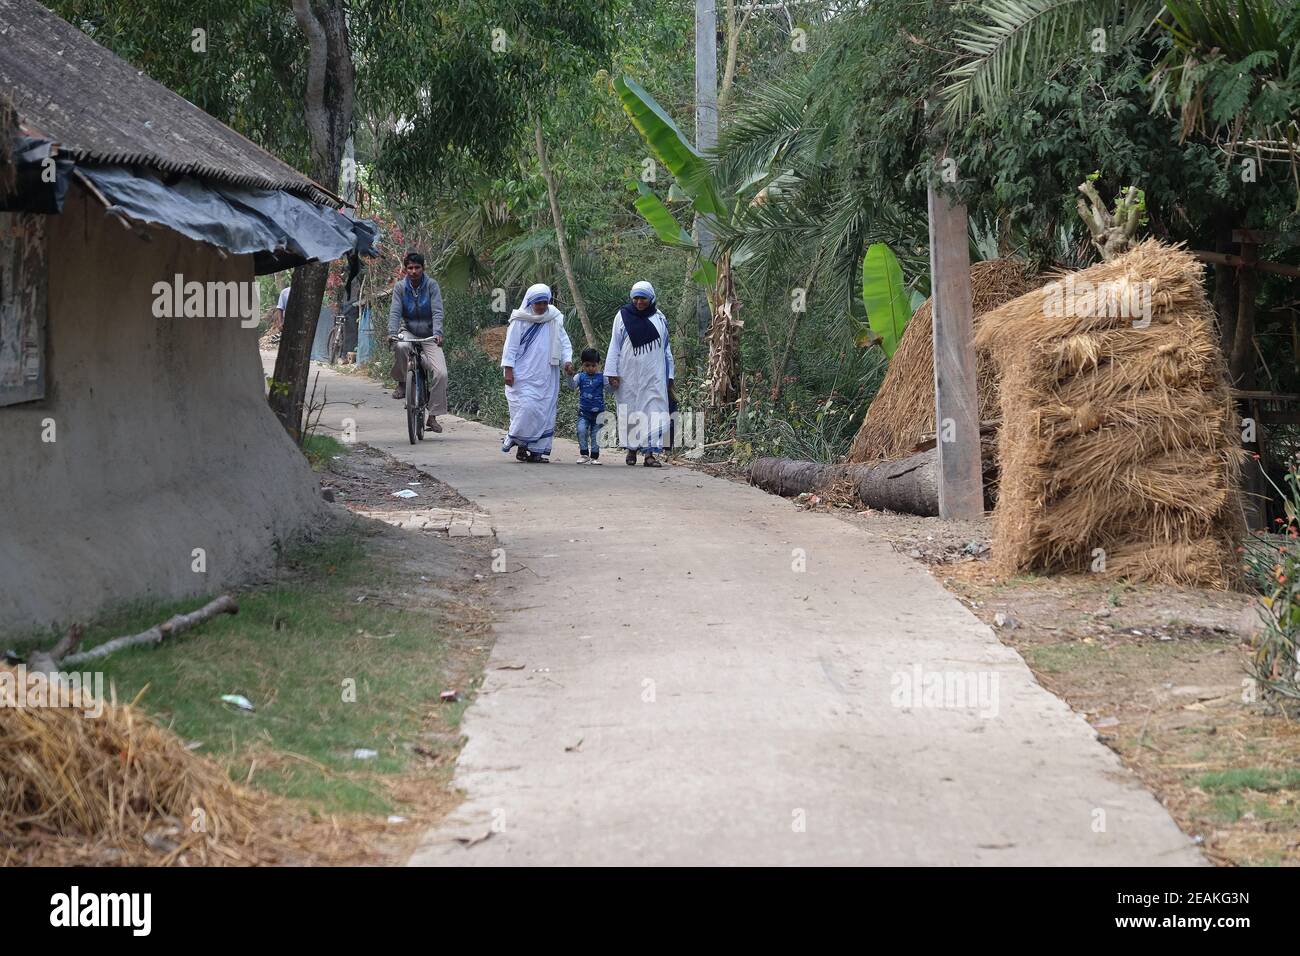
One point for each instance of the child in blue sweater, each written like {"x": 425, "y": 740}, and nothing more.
{"x": 590, "y": 384}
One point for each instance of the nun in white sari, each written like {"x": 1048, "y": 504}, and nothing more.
{"x": 536, "y": 346}
{"x": 639, "y": 367}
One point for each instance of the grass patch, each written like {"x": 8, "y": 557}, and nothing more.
{"x": 1258, "y": 779}
{"x": 1057, "y": 658}
{"x": 292, "y": 650}
{"x": 319, "y": 449}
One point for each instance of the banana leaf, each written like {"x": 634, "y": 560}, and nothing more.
{"x": 706, "y": 275}
{"x": 665, "y": 225}
{"x": 884, "y": 295}
{"x": 670, "y": 146}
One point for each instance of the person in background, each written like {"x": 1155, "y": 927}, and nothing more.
{"x": 536, "y": 345}
{"x": 639, "y": 367}
{"x": 417, "y": 308}
{"x": 590, "y": 384}
{"x": 277, "y": 314}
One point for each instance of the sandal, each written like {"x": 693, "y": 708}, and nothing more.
{"x": 536, "y": 459}
{"x": 631, "y": 458}
{"x": 652, "y": 462}
{"x": 521, "y": 453}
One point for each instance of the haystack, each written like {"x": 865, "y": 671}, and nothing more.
{"x": 1119, "y": 450}
{"x": 902, "y": 412}
{"x": 75, "y": 788}
{"x": 491, "y": 341}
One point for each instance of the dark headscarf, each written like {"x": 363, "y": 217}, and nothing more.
{"x": 637, "y": 322}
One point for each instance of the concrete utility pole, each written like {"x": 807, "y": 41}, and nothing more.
{"x": 956, "y": 399}
{"x": 706, "y": 120}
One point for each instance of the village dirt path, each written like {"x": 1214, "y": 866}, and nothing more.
{"x": 666, "y": 688}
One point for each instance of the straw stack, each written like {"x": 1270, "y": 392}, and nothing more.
{"x": 903, "y": 410}
{"x": 1119, "y": 449}
{"x": 117, "y": 787}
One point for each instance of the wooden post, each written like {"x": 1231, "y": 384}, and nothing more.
{"x": 706, "y": 125}
{"x": 956, "y": 400}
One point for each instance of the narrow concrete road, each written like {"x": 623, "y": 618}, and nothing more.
{"x": 690, "y": 671}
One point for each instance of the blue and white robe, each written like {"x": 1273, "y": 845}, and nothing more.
{"x": 529, "y": 350}
{"x": 642, "y": 392}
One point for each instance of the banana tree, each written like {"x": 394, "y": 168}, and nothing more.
{"x": 712, "y": 199}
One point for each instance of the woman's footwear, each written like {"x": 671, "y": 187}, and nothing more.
{"x": 631, "y": 458}
{"x": 521, "y": 454}
{"x": 537, "y": 459}
{"x": 652, "y": 462}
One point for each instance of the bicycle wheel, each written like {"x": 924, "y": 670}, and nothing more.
{"x": 423, "y": 404}
{"x": 334, "y": 348}
{"x": 413, "y": 410}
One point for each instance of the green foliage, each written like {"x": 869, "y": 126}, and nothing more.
{"x": 1010, "y": 42}
{"x": 1230, "y": 67}
{"x": 462, "y": 91}
{"x": 1275, "y": 663}
{"x": 884, "y": 296}
{"x": 1233, "y": 71}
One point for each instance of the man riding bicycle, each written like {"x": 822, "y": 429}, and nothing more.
{"x": 417, "y": 308}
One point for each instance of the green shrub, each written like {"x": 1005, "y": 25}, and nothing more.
{"x": 1275, "y": 663}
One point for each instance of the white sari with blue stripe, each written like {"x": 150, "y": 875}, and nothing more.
{"x": 536, "y": 391}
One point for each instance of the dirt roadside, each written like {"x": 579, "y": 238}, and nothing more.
{"x": 1159, "y": 672}
{"x": 448, "y": 574}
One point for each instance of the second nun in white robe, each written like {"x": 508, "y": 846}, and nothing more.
{"x": 641, "y": 359}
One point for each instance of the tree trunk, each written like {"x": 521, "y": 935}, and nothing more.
{"x": 327, "y": 111}
{"x": 1225, "y": 285}
{"x": 293, "y": 360}
{"x": 909, "y": 485}
{"x": 1241, "y": 360}
{"x": 560, "y": 237}
{"x": 734, "y": 30}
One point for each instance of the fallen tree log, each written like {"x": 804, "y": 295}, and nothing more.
{"x": 788, "y": 477}
{"x": 909, "y": 485}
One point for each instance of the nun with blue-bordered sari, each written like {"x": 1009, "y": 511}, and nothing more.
{"x": 536, "y": 347}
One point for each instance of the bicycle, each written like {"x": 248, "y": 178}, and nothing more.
{"x": 334, "y": 346}
{"x": 417, "y": 388}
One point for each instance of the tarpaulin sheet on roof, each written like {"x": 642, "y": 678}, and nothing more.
{"x": 280, "y": 230}
{"x": 40, "y": 177}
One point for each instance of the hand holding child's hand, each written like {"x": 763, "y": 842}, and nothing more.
{"x": 568, "y": 368}
{"x": 613, "y": 381}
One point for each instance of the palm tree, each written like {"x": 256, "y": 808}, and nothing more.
{"x": 1230, "y": 67}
